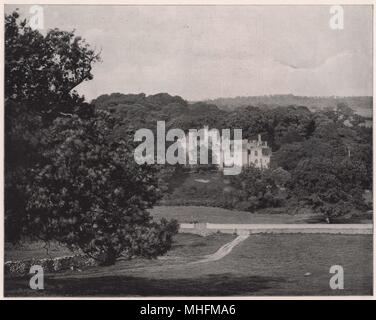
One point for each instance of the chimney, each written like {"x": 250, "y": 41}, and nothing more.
{"x": 259, "y": 139}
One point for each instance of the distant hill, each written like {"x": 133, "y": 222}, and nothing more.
{"x": 107, "y": 101}
{"x": 361, "y": 105}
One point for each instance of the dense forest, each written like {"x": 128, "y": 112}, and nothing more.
{"x": 322, "y": 158}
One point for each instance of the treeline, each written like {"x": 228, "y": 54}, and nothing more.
{"x": 361, "y": 105}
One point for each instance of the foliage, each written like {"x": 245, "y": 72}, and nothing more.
{"x": 295, "y": 134}
{"x": 41, "y": 72}
{"x": 70, "y": 174}
{"x": 362, "y": 105}
{"x": 91, "y": 194}
{"x": 331, "y": 187}
{"x": 255, "y": 189}
{"x": 309, "y": 137}
{"x": 281, "y": 177}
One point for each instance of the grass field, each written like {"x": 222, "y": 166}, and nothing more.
{"x": 261, "y": 265}
{"x": 185, "y": 246}
{"x": 191, "y": 214}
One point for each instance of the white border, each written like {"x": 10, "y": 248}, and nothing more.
{"x": 153, "y": 3}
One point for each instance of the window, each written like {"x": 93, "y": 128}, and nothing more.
{"x": 256, "y": 153}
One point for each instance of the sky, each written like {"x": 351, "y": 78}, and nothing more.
{"x": 205, "y": 52}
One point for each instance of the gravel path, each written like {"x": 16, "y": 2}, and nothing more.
{"x": 224, "y": 250}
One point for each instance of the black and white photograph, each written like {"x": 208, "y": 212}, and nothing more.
{"x": 187, "y": 151}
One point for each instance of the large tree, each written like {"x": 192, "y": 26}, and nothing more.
{"x": 332, "y": 186}
{"x": 69, "y": 175}
{"x": 91, "y": 194}
{"x": 41, "y": 72}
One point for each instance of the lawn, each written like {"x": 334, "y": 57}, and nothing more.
{"x": 185, "y": 246}
{"x": 269, "y": 264}
{"x": 191, "y": 214}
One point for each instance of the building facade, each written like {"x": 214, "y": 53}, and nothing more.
{"x": 254, "y": 153}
